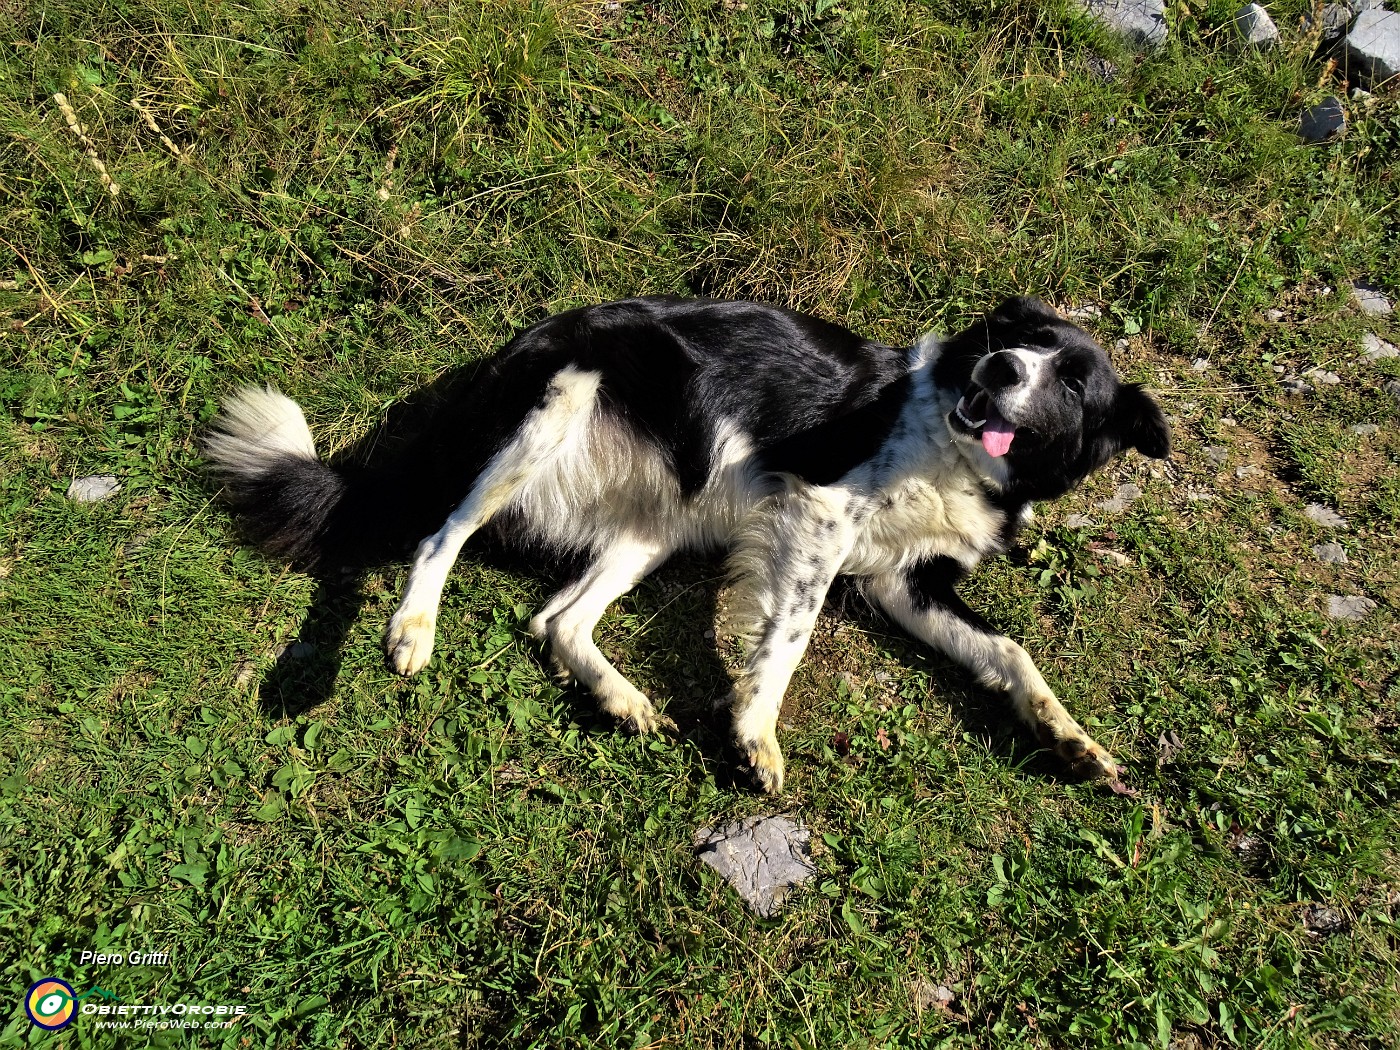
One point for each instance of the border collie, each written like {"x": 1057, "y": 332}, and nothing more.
{"x": 621, "y": 433}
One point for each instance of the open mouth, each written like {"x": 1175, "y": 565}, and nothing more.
{"x": 978, "y": 417}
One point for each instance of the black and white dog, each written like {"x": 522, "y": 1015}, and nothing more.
{"x": 625, "y": 432}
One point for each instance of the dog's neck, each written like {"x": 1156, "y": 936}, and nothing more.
{"x": 927, "y": 412}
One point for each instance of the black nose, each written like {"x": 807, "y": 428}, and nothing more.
{"x": 1001, "y": 370}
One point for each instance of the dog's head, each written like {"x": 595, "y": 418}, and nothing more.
{"x": 1039, "y": 395}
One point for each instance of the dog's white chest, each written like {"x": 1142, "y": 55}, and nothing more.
{"x": 922, "y": 517}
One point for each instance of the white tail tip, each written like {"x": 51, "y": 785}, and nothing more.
{"x": 255, "y": 427}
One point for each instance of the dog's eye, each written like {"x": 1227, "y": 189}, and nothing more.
{"x": 1073, "y": 384}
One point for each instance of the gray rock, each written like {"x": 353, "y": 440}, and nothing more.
{"x": 1322, "y": 377}
{"x": 1349, "y": 606}
{"x": 1322, "y": 122}
{"x": 1331, "y": 553}
{"x": 1274, "y": 315}
{"x": 1364, "y": 429}
{"x": 1091, "y": 312}
{"x": 1255, "y": 26}
{"x": 1372, "y": 45}
{"x": 1140, "y": 22}
{"x": 1335, "y": 19}
{"x": 1374, "y": 348}
{"x": 1294, "y": 385}
{"x": 763, "y": 858}
{"x": 1200, "y": 364}
{"x": 1324, "y": 516}
{"x": 1370, "y": 299}
{"x": 1217, "y": 454}
{"x": 1248, "y": 470}
{"x": 1122, "y": 496}
{"x": 93, "y": 489}
{"x": 1393, "y": 389}
{"x": 1079, "y": 521}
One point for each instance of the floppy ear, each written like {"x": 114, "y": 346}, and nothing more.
{"x": 1140, "y": 423}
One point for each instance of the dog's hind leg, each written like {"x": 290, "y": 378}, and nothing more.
{"x": 560, "y": 421}
{"x": 930, "y": 610}
{"x": 567, "y": 623}
{"x": 783, "y": 568}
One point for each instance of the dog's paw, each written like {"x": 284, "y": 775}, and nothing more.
{"x": 1086, "y": 760}
{"x": 632, "y": 708}
{"x": 409, "y": 642}
{"x": 650, "y": 721}
{"x": 765, "y": 761}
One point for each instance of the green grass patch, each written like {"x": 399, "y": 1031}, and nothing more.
{"x": 349, "y": 200}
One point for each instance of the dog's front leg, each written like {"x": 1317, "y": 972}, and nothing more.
{"x": 784, "y": 569}
{"x": 923, "y": 602}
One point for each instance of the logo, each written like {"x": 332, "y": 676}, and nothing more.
{"x": 51, "y": 1004}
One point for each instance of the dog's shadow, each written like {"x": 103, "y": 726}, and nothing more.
{"x": 306, "y": 670}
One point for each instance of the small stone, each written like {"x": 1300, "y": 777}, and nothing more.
{"x": 1294, "y": 385}
{"x": 1393, "y": 389}
{"x": 1084, "y": 313}
{"x": 1369, "y": 299}
{"x": 1274, "y": 315}
{"x": 1199, "y": 496}
{"x": 1117, "y": 557}
{"x": 1322, "y": 377}
{"x": 1200, "y": 364}
{"x": 1374, "y": 348}
{"x": 1226, "y": 421}
{"x": 1217, "y": 454}
{"x": 93, "y": 489}
{"x": 1122, "y": 496}
{"x": 1372, "y": 45}
{"x": 1331, "y": 553}
{"x": 1321, "y": 921}
{"x": 1322, "y": 122}
{"x": 763, "y": 858}
{"x": 1121, "y": 344}
{"x": 1251, "y": 850}
{"x": 1335, "y": 19}
{"x": 925, "y": 995}
{"x": 1324, "y": 516}
{"x": 1079, "y": 521}
{"x": 1248, "y": 470}
{"x": 1364, "y": 429}
{"x": 1255, "y": 26}
{"x": 1102, "y": 70}
{"x": 1349, "y": 606}
{"x": 1188, "y": 406}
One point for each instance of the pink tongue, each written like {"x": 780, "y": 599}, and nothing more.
{"x": 996, "y": 433}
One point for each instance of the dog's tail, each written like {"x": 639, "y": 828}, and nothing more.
{"x": 261, "y": 449}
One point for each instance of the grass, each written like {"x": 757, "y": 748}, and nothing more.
{"x": 349, "y": 200}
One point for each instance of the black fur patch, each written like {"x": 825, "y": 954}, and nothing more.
{"x": 932, "y": 583}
